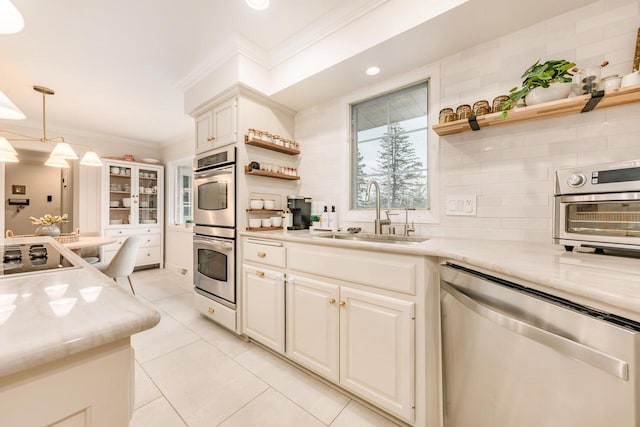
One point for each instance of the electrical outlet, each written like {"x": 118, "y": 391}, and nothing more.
{"x": 464, "y": 205}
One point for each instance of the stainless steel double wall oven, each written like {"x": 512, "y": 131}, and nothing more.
{"x": 214, "y": 242}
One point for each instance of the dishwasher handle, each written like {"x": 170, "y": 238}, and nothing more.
{"x": 558, "y": 343}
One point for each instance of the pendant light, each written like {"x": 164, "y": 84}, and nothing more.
{"x": 11, "y": 20}
{"x": 56, "y": 162}
{"x": 62, "y": 150}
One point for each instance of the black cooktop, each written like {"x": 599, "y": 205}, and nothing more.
{"x": 31, "y": 257}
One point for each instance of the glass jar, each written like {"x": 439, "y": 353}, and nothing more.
{"x": 590, "y": 80}
{"x": 445, "y": 115}
{"x": 481, "y": 108}
{"x": 497, "y": 103}
{"x": 463, "y": 111}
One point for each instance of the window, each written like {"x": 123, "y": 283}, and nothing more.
{"x": 184, "y": 195}
{"x": 389, "y": 145}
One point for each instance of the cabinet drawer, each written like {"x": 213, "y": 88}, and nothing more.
{"x": 216, "y": 311}
{"x": 383, "y": 270}
{"x": 148, "y": 256}
{"x": 265, "y": 252}
{"x": 149, "y": 240}
{"x": 117, "y": 232}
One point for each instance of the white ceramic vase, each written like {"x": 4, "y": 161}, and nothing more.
{"x": 48, "y": 230}
{"x": 555, "y": 91}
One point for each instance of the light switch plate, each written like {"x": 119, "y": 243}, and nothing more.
{"x": 461, "y": 205}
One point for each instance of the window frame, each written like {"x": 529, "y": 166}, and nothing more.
{"x": 174, "y": 190}
{"x": 354, "y": 148}
{"x": 431, "y": 74}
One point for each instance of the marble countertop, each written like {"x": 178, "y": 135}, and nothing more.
{"x": 51, "y": 315}
{"x": 605, "y": 282}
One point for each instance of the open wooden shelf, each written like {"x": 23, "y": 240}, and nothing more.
{"x": 264, "y": 210}
{"x": 263, "y": 228}
{"x": 611, "y": 98}
{"x": 270, "y": 146}
{"x": 269, "y": 174}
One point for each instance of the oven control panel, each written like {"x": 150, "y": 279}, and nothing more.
{"x": 612, "y": 177}
{"x": 576, "y": 180}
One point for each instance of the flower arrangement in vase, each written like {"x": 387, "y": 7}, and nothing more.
{"x": 48, "y": 224}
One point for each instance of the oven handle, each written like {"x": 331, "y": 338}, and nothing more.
{"x": 214, "y": 242}
{"x": 215, "y": 172}
{"x": 607, "y": 197}
{"x": 556, "y": 342}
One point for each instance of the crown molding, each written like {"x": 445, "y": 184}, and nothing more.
{"x": 239, "y": 45}
{"x": 319, "y": 30}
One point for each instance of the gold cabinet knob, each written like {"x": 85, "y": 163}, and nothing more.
{"x": 342, "y": 303}
{"x": 332, "y": 301}
{"x": 262, "y": 254}
{"x": 260, "y": 273}
{"x": 211, "y": 138}
{"x": 211, "y": 310}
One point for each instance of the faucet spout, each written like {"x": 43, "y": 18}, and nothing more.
{"x": 378, "y": 223}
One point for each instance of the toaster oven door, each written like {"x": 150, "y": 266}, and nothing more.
{"x": 599, "y": 218}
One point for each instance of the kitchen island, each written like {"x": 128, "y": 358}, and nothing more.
{"x": 65, "y": 353}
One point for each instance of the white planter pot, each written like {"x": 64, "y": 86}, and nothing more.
{"x": 554, "y": 92}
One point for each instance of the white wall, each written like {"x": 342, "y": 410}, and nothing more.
{"x": 510, "y": 168}
{"x": 178, "y": 240}
{"x": 40, "y": 182}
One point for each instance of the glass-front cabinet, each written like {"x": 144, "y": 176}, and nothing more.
{"x": 133, "y": 204}
{"x": 134, "y": 194}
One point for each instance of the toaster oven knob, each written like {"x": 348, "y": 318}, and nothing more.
{"x": 576, "y": 180}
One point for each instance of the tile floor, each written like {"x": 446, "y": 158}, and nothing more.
{"x": 191, "y": 372}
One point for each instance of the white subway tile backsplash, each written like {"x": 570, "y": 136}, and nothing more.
{"x": 526, "y": 223}
{"x": 510, "y": 168}
{"x": 630, "y": 141}
{"x": 540, "y": 199}
{"x": 501, "y": 211}
{"x": 604, "y": 18}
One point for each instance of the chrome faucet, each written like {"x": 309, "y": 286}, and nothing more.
{"x": 408, "y": 229}
{"x": 378, "y": 222}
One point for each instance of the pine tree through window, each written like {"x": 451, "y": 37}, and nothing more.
{"x": 389, "y": 145}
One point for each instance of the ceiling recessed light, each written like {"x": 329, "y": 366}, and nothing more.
{"x": 258, "y": 4}
{"x": 372, "y": 71}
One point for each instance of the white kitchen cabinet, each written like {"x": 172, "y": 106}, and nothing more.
{"x": 313, "y": 331}
{"x": 263, "y": 306}
{"x": 359, "y": 339}
{"x": 133, "y": 195}
{"x": 377, "y": 349}
{"x": 355, "y": 317}
{"x": 216, "y": 127}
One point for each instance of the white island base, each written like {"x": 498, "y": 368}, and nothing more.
{"x": 92, "y": 388}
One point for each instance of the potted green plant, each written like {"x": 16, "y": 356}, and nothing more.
{"x": 551, "y": 76}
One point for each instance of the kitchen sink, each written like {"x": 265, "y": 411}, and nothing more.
{"x": 377, "y": 238}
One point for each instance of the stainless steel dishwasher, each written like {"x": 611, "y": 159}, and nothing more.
{"x": 517, "y": 357}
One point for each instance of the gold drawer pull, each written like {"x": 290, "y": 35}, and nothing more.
{"x": 211, "y": 310}
{"x": 211, "y": 138}
{"x": 332, "y": 301}
{"x": 260, "y": 273}
{"x": 342, "y": 303}
{"x": 262, "y": 254}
